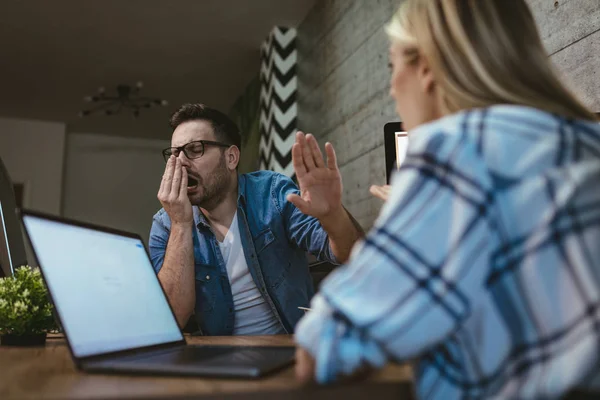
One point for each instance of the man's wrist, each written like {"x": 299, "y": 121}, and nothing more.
{"x": 334, "y": 219}
{"x": 183, "y": 226}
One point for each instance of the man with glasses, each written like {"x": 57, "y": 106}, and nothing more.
{"x": 231, "y": 248}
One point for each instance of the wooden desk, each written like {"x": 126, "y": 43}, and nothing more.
{"x": 49, "y": 373}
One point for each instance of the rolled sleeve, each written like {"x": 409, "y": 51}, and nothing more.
{"x": 157, "y": 243}
{"x": 341, "y": 349}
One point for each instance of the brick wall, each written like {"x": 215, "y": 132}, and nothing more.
{"x": 343, "y": 79}
{"x": 343, "y": 85}
{"x": 570, "y": 30}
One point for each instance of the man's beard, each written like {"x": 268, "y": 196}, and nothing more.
{"x": 215, "y": 190}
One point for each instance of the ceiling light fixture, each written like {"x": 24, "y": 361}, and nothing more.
{"x": 126, "y": 97}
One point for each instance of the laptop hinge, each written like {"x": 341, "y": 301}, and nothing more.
{"x": 140, "y": 350}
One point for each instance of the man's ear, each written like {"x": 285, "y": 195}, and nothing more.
{"x": 232, "y": 157}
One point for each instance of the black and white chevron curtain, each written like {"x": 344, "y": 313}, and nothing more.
{"x": 278, "y": 103}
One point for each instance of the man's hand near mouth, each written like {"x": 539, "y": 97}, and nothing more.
{"x": 173, "y": 193}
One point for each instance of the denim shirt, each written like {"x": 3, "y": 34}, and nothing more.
{"x": 275, "y": 236}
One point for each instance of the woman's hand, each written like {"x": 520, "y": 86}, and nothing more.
{"x": 305, "y": 366}
{"x": 383, "y": 192}
{"x": 305, "y": 369}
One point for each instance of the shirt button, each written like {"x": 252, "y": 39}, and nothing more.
{"x": 208, "y": 277}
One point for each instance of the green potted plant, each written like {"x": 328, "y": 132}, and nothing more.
{"x": 25, "y": 309}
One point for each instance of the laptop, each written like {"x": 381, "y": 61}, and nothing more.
{"x": 395, "y": 145}
{"x": 114, "y": 312}
{"x": 12, "y": 245}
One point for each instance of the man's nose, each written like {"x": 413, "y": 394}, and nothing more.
{"x": 183, "y": 159}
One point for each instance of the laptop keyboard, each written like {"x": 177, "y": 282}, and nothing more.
{"x": 183, "y": 355}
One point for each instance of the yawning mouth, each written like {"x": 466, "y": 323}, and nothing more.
{"x": 192, "y": 182}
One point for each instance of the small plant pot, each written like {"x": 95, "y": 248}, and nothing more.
{"x": 33, "y": 339}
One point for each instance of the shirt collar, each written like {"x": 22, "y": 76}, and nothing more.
{"x": 241, "y": 189}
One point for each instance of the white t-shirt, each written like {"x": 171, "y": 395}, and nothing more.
{"x": 253, "y": 316}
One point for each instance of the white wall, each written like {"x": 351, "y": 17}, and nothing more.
{"x": 113, "y": 181}
{"x": 33, "y": 152}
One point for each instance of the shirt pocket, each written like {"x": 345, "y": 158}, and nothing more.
{"x": 273, "y": 257}
{"x": 262, "y": 240}
{"x": 206, "y": 278}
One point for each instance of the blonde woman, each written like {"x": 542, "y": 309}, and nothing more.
{"x": 484, "y": 262}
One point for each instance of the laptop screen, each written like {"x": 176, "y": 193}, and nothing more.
{"x": 103, "y": 287}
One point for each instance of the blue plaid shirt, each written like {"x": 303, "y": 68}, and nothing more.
{"x": 484, "y": 264}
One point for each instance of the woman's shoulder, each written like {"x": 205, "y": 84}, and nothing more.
{"x": 502, "y": 119}
{"x": 481, "y": 120}
{"x": 511, "y": 140}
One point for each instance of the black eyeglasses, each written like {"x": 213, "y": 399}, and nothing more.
{"x": 191, "y": 150}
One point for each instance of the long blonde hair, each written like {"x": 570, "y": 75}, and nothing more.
{"x": 483, "y": 52}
